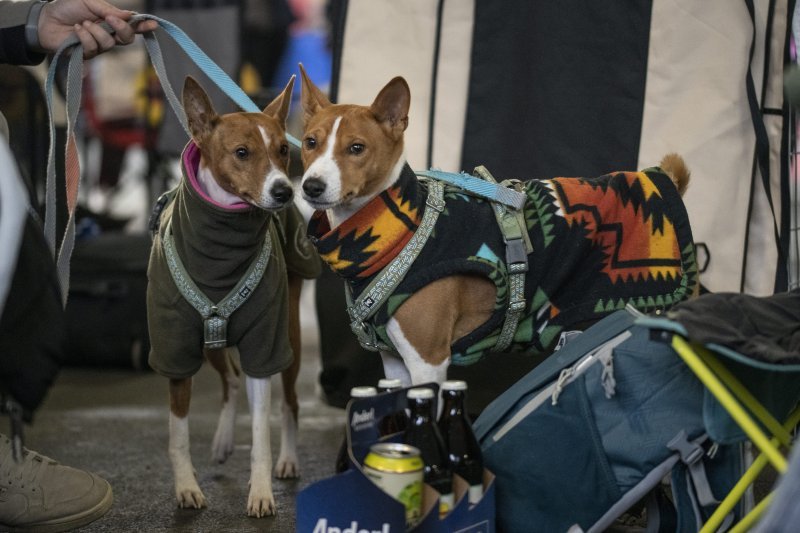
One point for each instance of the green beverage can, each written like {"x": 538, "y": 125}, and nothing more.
{"x": 397, "y": 469}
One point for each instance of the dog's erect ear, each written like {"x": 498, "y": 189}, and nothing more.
{"x": 199, "y": 112}
{"x": 279, "y": 107}
{"x": 312, "y": 98}
{"x": 391, "y": 105}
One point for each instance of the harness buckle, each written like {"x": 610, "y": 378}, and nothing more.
{"x": 690, "y": 452}
{"x": 366, "y": 335}
{"x": 517, "y": 305}
{"x": 154, "y": 222}
{"x": 516, "y": 256}
{"x": 435, "y": 203}
{"x": 215, "y": 329}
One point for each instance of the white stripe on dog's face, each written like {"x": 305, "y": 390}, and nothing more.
{"x": 327, "y": 170}
{"x": 350, "y": 156}
{"x": 275, "y": 176}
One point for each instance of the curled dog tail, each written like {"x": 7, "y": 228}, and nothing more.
{"x": 675, "y": 167}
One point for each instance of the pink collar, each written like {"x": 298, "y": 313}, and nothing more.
{"x": 190, "y": 162}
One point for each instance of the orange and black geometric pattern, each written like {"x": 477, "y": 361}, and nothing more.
{"x": 599, "y": 244}
{"x": 626, "y": 217}
{"x": 366, "y": 242}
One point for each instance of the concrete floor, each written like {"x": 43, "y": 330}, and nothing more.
{"x": 114, "y": 422}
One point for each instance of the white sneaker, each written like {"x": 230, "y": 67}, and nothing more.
{"x": 38, "y": 494}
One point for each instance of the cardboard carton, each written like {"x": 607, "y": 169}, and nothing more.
{"x": 351, "y": 503}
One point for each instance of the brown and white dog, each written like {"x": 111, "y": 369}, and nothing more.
{"x": 235, "y": 172}
{"x": 356, "y": 170}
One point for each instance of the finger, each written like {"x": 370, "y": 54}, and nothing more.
{"x": 124, "y": 32}
{"x": 103, "y": 39}
{"x": 90, "y": 47}
{"x": 146, "y": 25}
{"x": 102, "y": 9}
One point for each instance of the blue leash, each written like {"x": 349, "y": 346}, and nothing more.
{"x": 486, "y": 189}
{"x": 207, "y": 65}
{"x": 71, "y": 48}
{"x": 62, "y": 253}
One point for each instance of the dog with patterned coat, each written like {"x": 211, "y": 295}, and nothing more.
{"x": 591, "y": 245}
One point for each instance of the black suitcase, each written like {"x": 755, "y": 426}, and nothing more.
{"x": 106, "y": 309}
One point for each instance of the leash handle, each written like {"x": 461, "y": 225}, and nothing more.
{"x": 73, "y": 48}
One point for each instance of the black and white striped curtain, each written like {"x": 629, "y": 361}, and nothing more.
{"x": 535, "y": 89}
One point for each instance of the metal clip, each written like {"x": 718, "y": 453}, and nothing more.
{"x": 215, "y": 329}
{"x": 366, "y": 335}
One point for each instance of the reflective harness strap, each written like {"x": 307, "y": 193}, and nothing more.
{"x": 369, "y": 301}
{"x": 511, "y": 221}
{"x": 215, "y": 316}
{"x": 518, "y": 246}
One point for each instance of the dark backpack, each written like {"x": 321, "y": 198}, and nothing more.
{"x": 597, "y": 428}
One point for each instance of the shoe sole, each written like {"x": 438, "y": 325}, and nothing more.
{"x": 68, "y": 522}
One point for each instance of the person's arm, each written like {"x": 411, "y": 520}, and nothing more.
{"x": 13, "y": 45}
{"x": 31, "y": 28}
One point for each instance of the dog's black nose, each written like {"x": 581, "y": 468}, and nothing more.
{"x": 282, "y": 192}
{"x": 313, "y": 187}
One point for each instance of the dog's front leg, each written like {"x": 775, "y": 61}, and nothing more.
{"x": 187, "y": 491}
{"x": 420, "y": 370}
{"x": 260, "y": 502}
{"x": 424, "y": 327}
{"x": 287, "y": 465}
{"x": 224, "y": 362}
{"x": 395, "y": 368}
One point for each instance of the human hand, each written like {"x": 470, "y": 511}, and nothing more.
{"x": 60, "y": 18}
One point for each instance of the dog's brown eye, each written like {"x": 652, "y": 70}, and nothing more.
{"x": 356, "y": 148}
{"x": 284, "y": 149}
{"x": 311, "y": 143}
{"x": 242, "y": 153}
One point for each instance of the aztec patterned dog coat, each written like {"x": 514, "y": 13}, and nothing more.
{"x": 598, "y": 245}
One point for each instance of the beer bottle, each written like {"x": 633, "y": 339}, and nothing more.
{"x": 395, "y": 422}
{"x": 342, "y": 459}
{"x": 463, "y": 450}
{"x": 389, "y": 384}
{"x": 423, "y": 433}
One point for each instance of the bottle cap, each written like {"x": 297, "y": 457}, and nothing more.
{"x": 420, "y": 393}
{"x": 387, "y": 383}
{"x": 454, "y": 384}
{"x": 363, "y": 392}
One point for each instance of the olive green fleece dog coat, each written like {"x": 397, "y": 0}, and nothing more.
{"x": 217, "y": 245}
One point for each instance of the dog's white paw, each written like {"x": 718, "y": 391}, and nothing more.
{"x": 221, "y": 446}
{"x": 260, "y": 503}
{"x": 287, "y": 466}
{"x": 190, "y": 497}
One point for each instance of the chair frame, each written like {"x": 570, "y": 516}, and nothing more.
{"x": 746, "y": 411}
